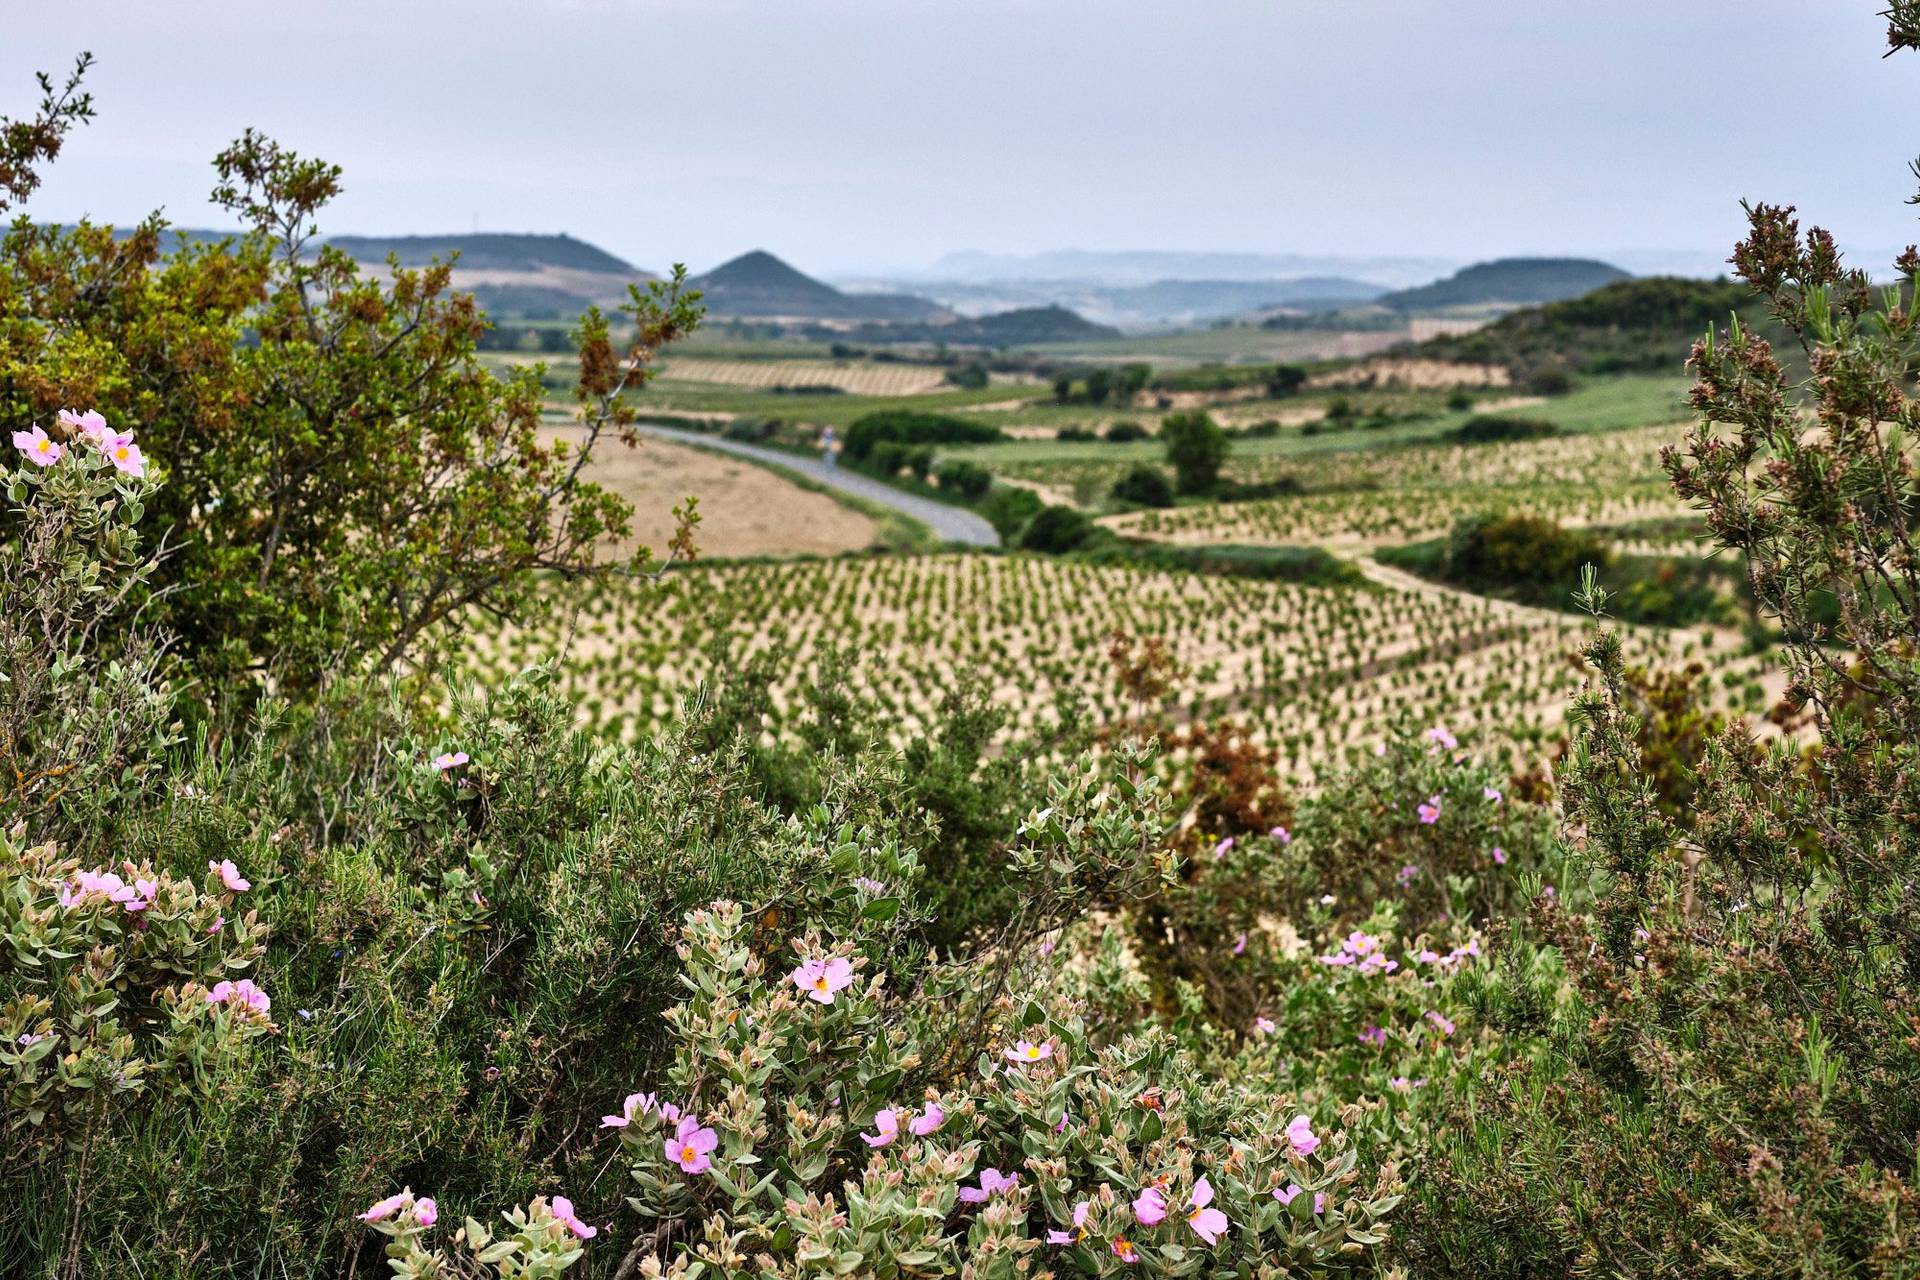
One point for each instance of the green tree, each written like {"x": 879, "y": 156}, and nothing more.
{"x": 1196, "y": 449}
{"x": 1099, "y": 385}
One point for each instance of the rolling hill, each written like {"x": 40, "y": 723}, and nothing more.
{"x": 1508, "y": 282}
{"x": 757, "y": 284}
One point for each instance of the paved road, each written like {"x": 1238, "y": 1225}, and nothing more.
{"x": 949, "y": 524}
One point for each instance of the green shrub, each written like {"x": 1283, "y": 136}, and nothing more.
{"x": 1144, "y": 486}
{"x": 967, "y": 480}
{"x": 1521, "y": 549}
{"x": 1493, "y": 428}
{"x": 909, "y": 427}
{"x": 1196, "y": 449}
{"x": 1126, "y": 432}
{"x": 1054, "y": 530}
{"x": 1008, "y": 508}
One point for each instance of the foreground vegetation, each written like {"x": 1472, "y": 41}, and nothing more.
{"x": 321, "y": 959}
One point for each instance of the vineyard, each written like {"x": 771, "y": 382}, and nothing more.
{"x": 1320, "y": 674}
{"x": 853, "y": 377}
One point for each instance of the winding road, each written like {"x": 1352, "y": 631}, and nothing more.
{"x": 949, "y": 524}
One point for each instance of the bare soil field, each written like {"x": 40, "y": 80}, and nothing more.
{"x": 851, "y": 376}
{"x": 745, "y": 510}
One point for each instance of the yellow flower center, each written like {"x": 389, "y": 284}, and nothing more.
{"x": 688, "y": 1154}
{"x": 820, "y": 983}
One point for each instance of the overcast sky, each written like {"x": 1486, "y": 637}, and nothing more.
{"x": 867, "y": 135}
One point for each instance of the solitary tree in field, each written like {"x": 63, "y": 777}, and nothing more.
{"x": 1196, "y": 449}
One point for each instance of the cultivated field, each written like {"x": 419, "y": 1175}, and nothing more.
{"x": 1319, "y": 673}
{"x": 744, "y": 510}
{"x": 852, "y": 376}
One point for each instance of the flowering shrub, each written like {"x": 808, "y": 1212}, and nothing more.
{"x": 71, "y": 563}
{"x": 544, "y": 1241}
{"x": 816, "y": 1113}
{"x": 116, "y": 983}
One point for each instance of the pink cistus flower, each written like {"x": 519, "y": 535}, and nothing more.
{"x": 886, "y": 1123}
{"x": 1286, "y": 1194}
{"x": 1240, "y": 945}
{"x": 927, "y": 1121}
{"x": 1375, "y": 1036}
{"x": 690, "y": 1147}
{"x": 1499, "y": 856}
{"x": 820, "y": 979}
{"x": 1150, "y": 1207}
{"x": 1438, "y": 734}
{"x": 88, "y": 424}
{"x": 992, "y": 1181}
{"x": 1222, "y": 849}
{"x": 1263, "y": 1025}
{"x": 1430, "y": 811}
{"x": 1079, "y": 1231}
{"x": 636, "y": 1105}
{"x": 230, "y": 875}
{"x": 40, "y": 450}
{"x": 1207, "y": 1222}
{"x": 1440, "y": 1021}
{"x": 1492, "y": 793}
{"x": 1300, "y": 1134}
{"x": 97, "y": 886}
{"x": 1028, "y": 1051}
{"x": 564, "y": 1215}
{"x": 124, "y": 454}
{"x": 450, "y": 760}
{"x": 1123, "y": 1249}
{"x": 380, "y": 1209}
{"x": 1281, "y": 834}
{"x": 242, "y": 994}
{"x": 425, "y": 1211}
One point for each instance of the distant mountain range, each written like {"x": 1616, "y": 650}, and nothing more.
{"x": 1144, "y": 267}
{"x": 1508, "y": 282}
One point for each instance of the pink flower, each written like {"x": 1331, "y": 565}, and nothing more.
{"x": 1208, "y": 1223}
{"x": 449, "y": 760}
{"x": 1264, "y": 1025}
{"x": 689, "y": 1147}
{"x": 425, "y": 1211}
{"x": 564, "y": 1215}
{"x": 1499, "y": 856}
{"x": 39, "y": 449}
{"x": 1430, "y": 811}
{"x": 1286, "y": 1194}
{"x": 1079, "y": 1231}
{"x": 1150, "y": 1207}
{"x": 1300, "y": 1134}
{"x": 1123, "y": 1249}
{"x": 385, "y": 1208}
{"x": 217, "y": 925}
{"x": 124, "y": 454}
{"x": 1240, "y": 945}
{"x": 1375, "y": 1036}
{"x": 927, "y": 1121}
{"x": 886, "y": 1122}
{"x": 1440, "y": 735}
{"x": 1028, "y": 1051}
{"x": 91, "y": 886}
{"x": 1223, "y": 848}
{"x": 1441, "y": 1021}
{"x": 1281, "y": 834}
{"x": 242, "y": 994}
{"x": 821, "y": 978}
{"x": 1492, "y": 793}
{"x": 991, "y": 1181}
{"x": 637, "y": 1104}
{"x": 89, "y": 424}
{"x": 230, "y": 875}
{"x": 1319, "y": 1202}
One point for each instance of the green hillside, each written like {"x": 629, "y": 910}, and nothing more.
{"x": 489, "y": 252}
{"x": 1508, "y": 280}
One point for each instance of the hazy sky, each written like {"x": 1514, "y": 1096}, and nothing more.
{"x": 858, "y": 135}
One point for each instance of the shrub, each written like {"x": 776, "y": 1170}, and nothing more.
{"x": 1493, "y": 428}
{"x": 1126, "y": 432}
{"x": 1460, "y": 400}
{"x": 1499, "y": 550}
{"x": 1054, "y": 530}
{"x": 967, "y": 480}
{"x": 1075, "y": 435}
{"x": 970, "y": 376}
{"x": 1144, "y": 486}
{"x": 1196, "y": 449}
{"x": 1008, "y": 507}
{"x": 910, "y": 427}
